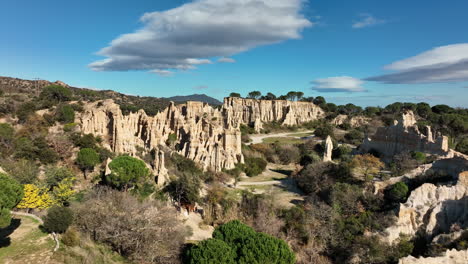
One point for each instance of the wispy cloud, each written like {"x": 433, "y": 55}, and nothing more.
{"x": 163, "y": 73}
{"x": 191, "y": 34}
{"x": 441, "y": 64}
{"x": 201, "y": 87}
{"x": 226, "y": 60}
{"x": 367, "y": 20}
{"x": 338, "y": 84}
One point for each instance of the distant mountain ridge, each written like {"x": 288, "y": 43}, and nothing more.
{"x": 195, "y": 97}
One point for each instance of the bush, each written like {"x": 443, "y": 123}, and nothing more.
{"x": 55, "y": 94}
{"x": 58, "y": 219}
{"x": 462, "y": 146}
{"x": 398, "y": 192}
{"x": 253, "y": 247}
{"x": 211, "y": 251}
{"x": 71, "y": 237}
{"x": 148, "y": 231}
{"x": 354, "y": 137}
{"x": 324, "y": 130}
{"x": 263, "y": 248}
{"x": 288, "y": 154}
{"x": 254, "y": 166}
{"x": 419, "y": 157}
{"x": 54, "y": 175}
{"x": 65, "y": 114}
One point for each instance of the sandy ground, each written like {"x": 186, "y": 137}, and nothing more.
{"x": 258, "y": 138}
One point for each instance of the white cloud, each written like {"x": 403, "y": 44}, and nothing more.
{"x": 442, "y": 64}
{"x": 163, "y": 73}
{"x": 201, "y": 87}
{"x": 226, "y": 60}
{"x": 367, "y": 20}
{"x": 338, "y": 84}
{"x": 189, "y": 35}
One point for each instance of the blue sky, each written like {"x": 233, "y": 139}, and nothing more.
{"x": 365, "y": 52}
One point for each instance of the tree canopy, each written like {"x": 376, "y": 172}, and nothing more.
{"x": 10, "y": 195}
{"x": 126, "y": 171}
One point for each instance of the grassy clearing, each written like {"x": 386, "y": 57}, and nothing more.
{"x": 282, "y": 140}
{"x": 23, "y": 240}
{"x": 304, "y": 134}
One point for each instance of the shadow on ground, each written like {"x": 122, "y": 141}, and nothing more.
{"x": 5, "y": 233}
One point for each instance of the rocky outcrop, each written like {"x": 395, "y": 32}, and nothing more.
{"x": 432, "y": 210}
{"x": 454, "y": 164}
{"x": 355, "y": 121}
{"x": 450, "y": 257}
{"x": 209, "y": 136}
{"x": 196, "y": 127}
{"x": 327, "y": 155}
{"x": 403, "y": 136}
{"x": 255, "y": 112}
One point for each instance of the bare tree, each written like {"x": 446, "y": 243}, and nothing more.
{"x": 145, "y": 232}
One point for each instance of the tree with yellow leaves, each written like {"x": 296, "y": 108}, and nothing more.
{"x": 64, "y": 191}
{"x": 366, "y": 167}
{"x": 35, "y": 198}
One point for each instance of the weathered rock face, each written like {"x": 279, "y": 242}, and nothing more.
{"x": 450, "y": 257}
{"x": 404, "y": 136}
{"x": 198, "y": 130}
{"x": 355, "y": 121}
{"x": 211, "y": 137}
{"x": 327, "y": 155}
{"x": 251, "y": 111}
{"x": 432, "y": 210}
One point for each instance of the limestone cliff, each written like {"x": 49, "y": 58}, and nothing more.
{"x": 256, "y": 112}
{"x": 432, "y": 210}
{"x": 450, "y": 257}
{"x": 196, "y": 128}
{"x": 403, "y": 136}
{"x": 209, "y": 136}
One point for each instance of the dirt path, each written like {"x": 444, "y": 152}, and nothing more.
{"x": 275, "y": 180}
{"x": 258, "y": 138}
{"x": 24, "y": 242}
{"x": 200, "y": 231}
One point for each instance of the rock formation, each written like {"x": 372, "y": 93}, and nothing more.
{"x": 251, "y": 111}
{"x": 432, "y": 210}
{"x": 450, "y": 257}
{"x": 355, "y": 121}
{"x": 404, "y": 136}
{"x": 211, "y": 137}
{"x": 327, "y": 155}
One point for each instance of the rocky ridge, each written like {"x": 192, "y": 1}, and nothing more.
{"x": 209, "y": 136}
{"x": 432, "y": 210}
{"x": 403, "y": 136}
{"x": 257, "y": 112}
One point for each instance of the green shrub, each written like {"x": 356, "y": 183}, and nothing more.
{"x": 211, "y": 251}
{"x": 65, "y": 114}
{"x": 419, "y": 157}
{"x": 254, "y": 166}
{"x": 462, "y": 146}
{"x": 69, "y": 127}
{"x": 263, "y": 248}
{"x": 398, "y": 192}
{"x": 58, "y": 219}
{"x": 56, "y": 93}
{"x": 10, "y": 195}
